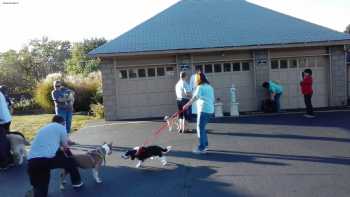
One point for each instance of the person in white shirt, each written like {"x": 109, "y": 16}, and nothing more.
{"x": 204, "y": 95}
{"x": 48, "y": 152}
{"x": 183, "y": 95}
{"x": 5, "y": 147}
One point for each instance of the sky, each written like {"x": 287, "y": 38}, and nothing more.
{"x": 75, "y": 20}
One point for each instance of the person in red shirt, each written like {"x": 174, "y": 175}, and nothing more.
{"x": 306, "y": 89}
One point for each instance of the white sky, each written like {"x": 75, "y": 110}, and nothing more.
{"x": 75, "y": 20}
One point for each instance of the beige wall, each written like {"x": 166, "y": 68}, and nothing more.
{"x": 155, "y": 97}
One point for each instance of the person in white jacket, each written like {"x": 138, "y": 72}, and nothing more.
{"x": 5, "y": 119}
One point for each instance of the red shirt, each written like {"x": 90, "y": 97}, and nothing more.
{"x": 306, "y": 85}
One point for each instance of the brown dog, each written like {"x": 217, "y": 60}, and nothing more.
{"x": 90, "y": 160}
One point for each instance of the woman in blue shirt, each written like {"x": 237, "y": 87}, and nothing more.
{"x": 204, "y": 95}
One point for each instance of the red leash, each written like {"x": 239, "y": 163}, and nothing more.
{"x": 157, "y": 133}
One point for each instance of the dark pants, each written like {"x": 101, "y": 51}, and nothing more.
{"x": 185, "y": 114}
{"x": 308, "y": 104}
{"x": 277, "y": 102}
{"x": 5, "y": 148}
{"x": 39, "y": 172}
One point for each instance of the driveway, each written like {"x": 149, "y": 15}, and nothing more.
{"x": 278, "y": 155}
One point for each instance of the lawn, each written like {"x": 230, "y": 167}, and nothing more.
{"x": 29, "y": 124}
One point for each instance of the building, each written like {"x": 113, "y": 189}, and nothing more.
{"x": 234, "y": 42}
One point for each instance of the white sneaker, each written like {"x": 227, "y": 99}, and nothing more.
{"x": 197, "y": 151}
{"x": 206, "y": 149}
{"x": 309, "y": 116}
{"x": 78, "y": 185}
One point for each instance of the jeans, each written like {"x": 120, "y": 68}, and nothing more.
{"x": 308, "y": 104}
{"x": 67, "y": 115}
{"x": 202, "y": 120}
{"x": 277, "y": 101}
{"x": 39, "y": 172}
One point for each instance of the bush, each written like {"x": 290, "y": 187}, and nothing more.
{"x": 85, "y": 89}
{"x": 97, "y": 110}
{"x": 24, "y": 105}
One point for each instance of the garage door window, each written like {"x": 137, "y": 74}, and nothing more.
{"x": 274, "y": 64}
{"x": 283, "y": 64}
{"x": 160, "y": 72}
{"x": 132, "y": 73}
{"x": 293, "y": 63}
{"x": 217, "y": 68}
{"x": 123, "y": 74}
{"x": 151, "y": 72}
{"x": 236, "y": 66}
{"x": 198, "y": 67}
{"x": 208, "y": 68}
{"x": 245, "y": 66}
{"x": 227, "y": 67}
{"x": 141, "y": 72}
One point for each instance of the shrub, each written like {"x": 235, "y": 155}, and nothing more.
{"x": 85, "y": 89}
{"x": 24, "y": 105}
{"x": 97, "y": 110}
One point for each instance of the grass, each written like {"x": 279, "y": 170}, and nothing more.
{"x": 29, "y": 124}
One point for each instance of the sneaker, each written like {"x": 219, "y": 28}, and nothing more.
{"x": 78, "y": 185}
{"x": 309, "y": 116}
{"x": 4, "y": 167}
{"x": 206, "y": 149}
{"x": 197, "y": 151}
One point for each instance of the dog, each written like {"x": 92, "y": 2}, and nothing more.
{"x": 90, "y": 160}
{"x": 143, "y": 153}
{"x": 18, "y": 143}
{"x": 171, "y": 122}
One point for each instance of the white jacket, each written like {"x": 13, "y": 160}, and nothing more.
{"x": 5, "y": 115}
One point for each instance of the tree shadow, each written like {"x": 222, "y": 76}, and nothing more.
{"x": 171, "y": 180}
{"x": 256, "y": 158}
{"x": 280, "y": 136}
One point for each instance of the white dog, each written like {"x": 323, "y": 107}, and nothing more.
{"x": 171, "y": 122}
{"x": 18, "y": 149}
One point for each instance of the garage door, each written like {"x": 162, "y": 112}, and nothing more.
{"x": 146, "y": 91}
{"x": 222, "y": 75}
{"x": 287, "y": 71}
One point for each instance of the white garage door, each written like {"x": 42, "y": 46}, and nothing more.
{"x": 288, "y": 73}
{"x": 223, "y": 75}
{"x": 146, "y": 91}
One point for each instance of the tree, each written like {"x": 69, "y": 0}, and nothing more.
{"x": 80, "y": 62}
{"x": 347, "y": 30}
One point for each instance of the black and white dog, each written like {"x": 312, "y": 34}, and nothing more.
{"x": 143, "y": 153}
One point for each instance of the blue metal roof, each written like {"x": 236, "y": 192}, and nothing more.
{"x": 199, "y": 24}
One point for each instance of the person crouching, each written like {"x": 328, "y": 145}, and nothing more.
{"x": 46, "y": 154}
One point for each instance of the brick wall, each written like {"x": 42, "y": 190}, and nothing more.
{"x": 109, "y": 91}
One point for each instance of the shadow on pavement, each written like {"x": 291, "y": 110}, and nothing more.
{"x": 255, "y": 158}
{"x": 329, "y": 119}
{"x": 280, "y": 136}
{"x": 173, "y": 180}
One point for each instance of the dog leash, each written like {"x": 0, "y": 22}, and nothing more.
{"x": 157, "y": 133}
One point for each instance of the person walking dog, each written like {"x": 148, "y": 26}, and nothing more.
{"x": 64, "y": 100}
{"x": 204, "y": 97}
{"x": 46, "y": 153}
{"x": 306, "y": 89}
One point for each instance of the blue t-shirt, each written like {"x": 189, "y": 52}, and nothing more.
{"x": 275, "y": 88}
{"x": 48, "y": 140}
{"x": 205, "y": 98}
{"x": 63, "y": 93}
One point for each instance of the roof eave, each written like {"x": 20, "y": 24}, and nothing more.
{"x": 250, "y": 47}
